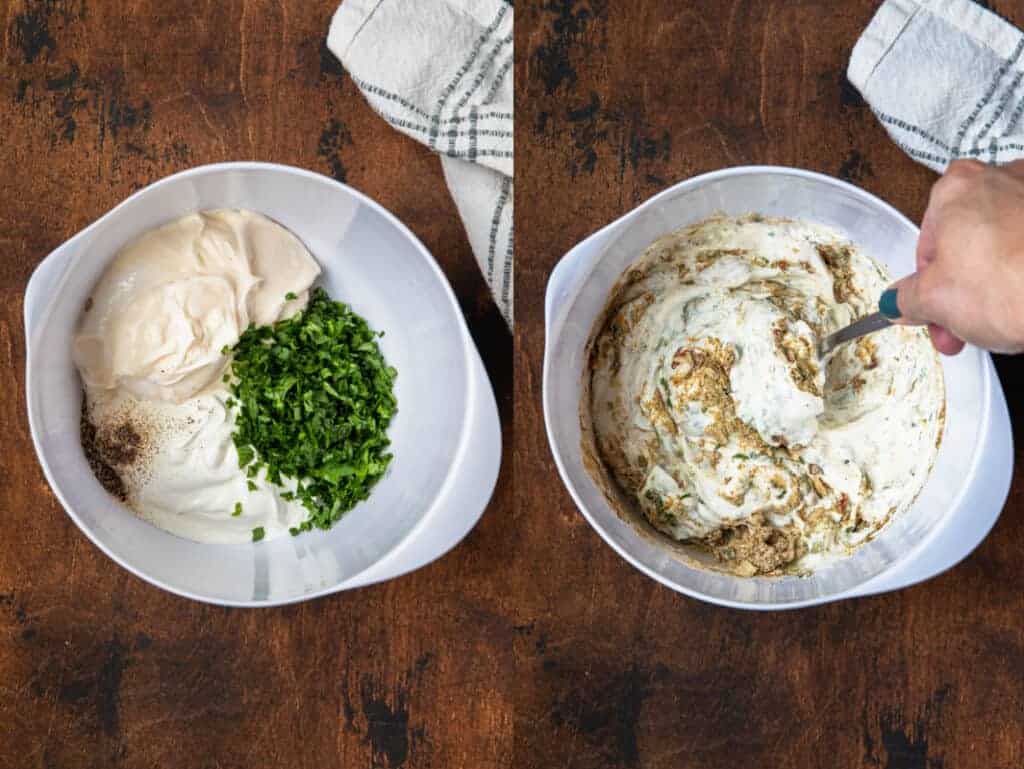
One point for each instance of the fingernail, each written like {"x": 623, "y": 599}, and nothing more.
{"x": 887, "y": 304}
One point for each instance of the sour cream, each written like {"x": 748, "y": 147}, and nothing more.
{"x": 709, "y": 407}
{"x": 150, "y": 351}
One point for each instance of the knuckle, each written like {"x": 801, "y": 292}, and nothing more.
{"x": 965, "y": 168}
{"x": 960, "y": 176}
{"x": 948, "y": 188}
{"x": 944, "y": 187}
{"x": 1015, "y": 168}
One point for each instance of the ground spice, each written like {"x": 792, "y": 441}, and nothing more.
{"x": 107, "y": 449}
{"x": 121, "y": 445}
{"x": 105, "y": 474}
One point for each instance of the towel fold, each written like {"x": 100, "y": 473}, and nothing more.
{"x": 945, "y": 78}
{"x": 440, "y": 71}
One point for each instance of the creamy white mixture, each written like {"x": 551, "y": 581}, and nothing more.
{"x": 150, "y": 347}
{"x": 710, "y": 408}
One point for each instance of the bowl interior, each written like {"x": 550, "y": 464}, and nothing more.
{"x": 881, "y": 232}
{"x": 369, "y": 261}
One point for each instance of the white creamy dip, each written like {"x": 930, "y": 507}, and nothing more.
{"x": 149, "y": 349}
{"x": 710, "y": 408}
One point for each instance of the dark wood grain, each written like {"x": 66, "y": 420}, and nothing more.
{"x": 614, "y": 102}
{"x": 99, "y": 669}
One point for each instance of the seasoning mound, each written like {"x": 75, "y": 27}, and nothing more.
{"x": 707, "y": 405}
{"x": 102, "y": 461}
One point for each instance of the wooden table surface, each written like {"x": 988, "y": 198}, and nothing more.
{"x": 612, "y": 106}
{"x": 532, "y": 644}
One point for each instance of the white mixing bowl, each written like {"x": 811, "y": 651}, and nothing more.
{"x": 446, "y": 436}
{"x": 967, "y": 487}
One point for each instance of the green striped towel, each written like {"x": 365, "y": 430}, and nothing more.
{"x": 946, "y": 78}
{"x": 441, "y": 72}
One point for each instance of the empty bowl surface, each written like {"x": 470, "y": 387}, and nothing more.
{"x": 445, "y": 436}
{"x": 971, "y": 472}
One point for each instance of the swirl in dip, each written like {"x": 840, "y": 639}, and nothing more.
{"x": 709, "y": 408}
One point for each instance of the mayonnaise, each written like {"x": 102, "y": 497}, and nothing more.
{"x": 172, "y": 299}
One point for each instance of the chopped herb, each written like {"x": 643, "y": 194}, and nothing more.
{"x": 252, "y": 486}
{"x": 655, "y": 499}
{"x": 225, "y": 350}
{"x": 687, "y": 494}
{"x": 314, "y": 399}
{"x": 290, "y": 296}
{"x": 740, "y": 456}
{"x": 258, "y": 533}
{"x": 245, "y": 453}
{"x": 238, "y": 510}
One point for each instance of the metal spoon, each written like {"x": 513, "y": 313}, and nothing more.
{"x": 873, "y": 322}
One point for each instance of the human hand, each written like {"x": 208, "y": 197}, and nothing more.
{"x": 969, "y": 284}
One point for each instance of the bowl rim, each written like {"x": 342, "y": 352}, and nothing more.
{"x": 471, "y": 356}
{"x": 555, "y": 321}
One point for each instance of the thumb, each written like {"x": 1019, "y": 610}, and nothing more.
{"x": 913, "y": 300}
{"x": 909, "y": 301}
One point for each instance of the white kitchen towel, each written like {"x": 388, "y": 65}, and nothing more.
{"x": 946, "y": 78}
{"x": 441, "y": 72}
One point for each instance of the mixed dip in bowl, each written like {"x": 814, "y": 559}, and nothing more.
{"x": 706, "y": 403}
